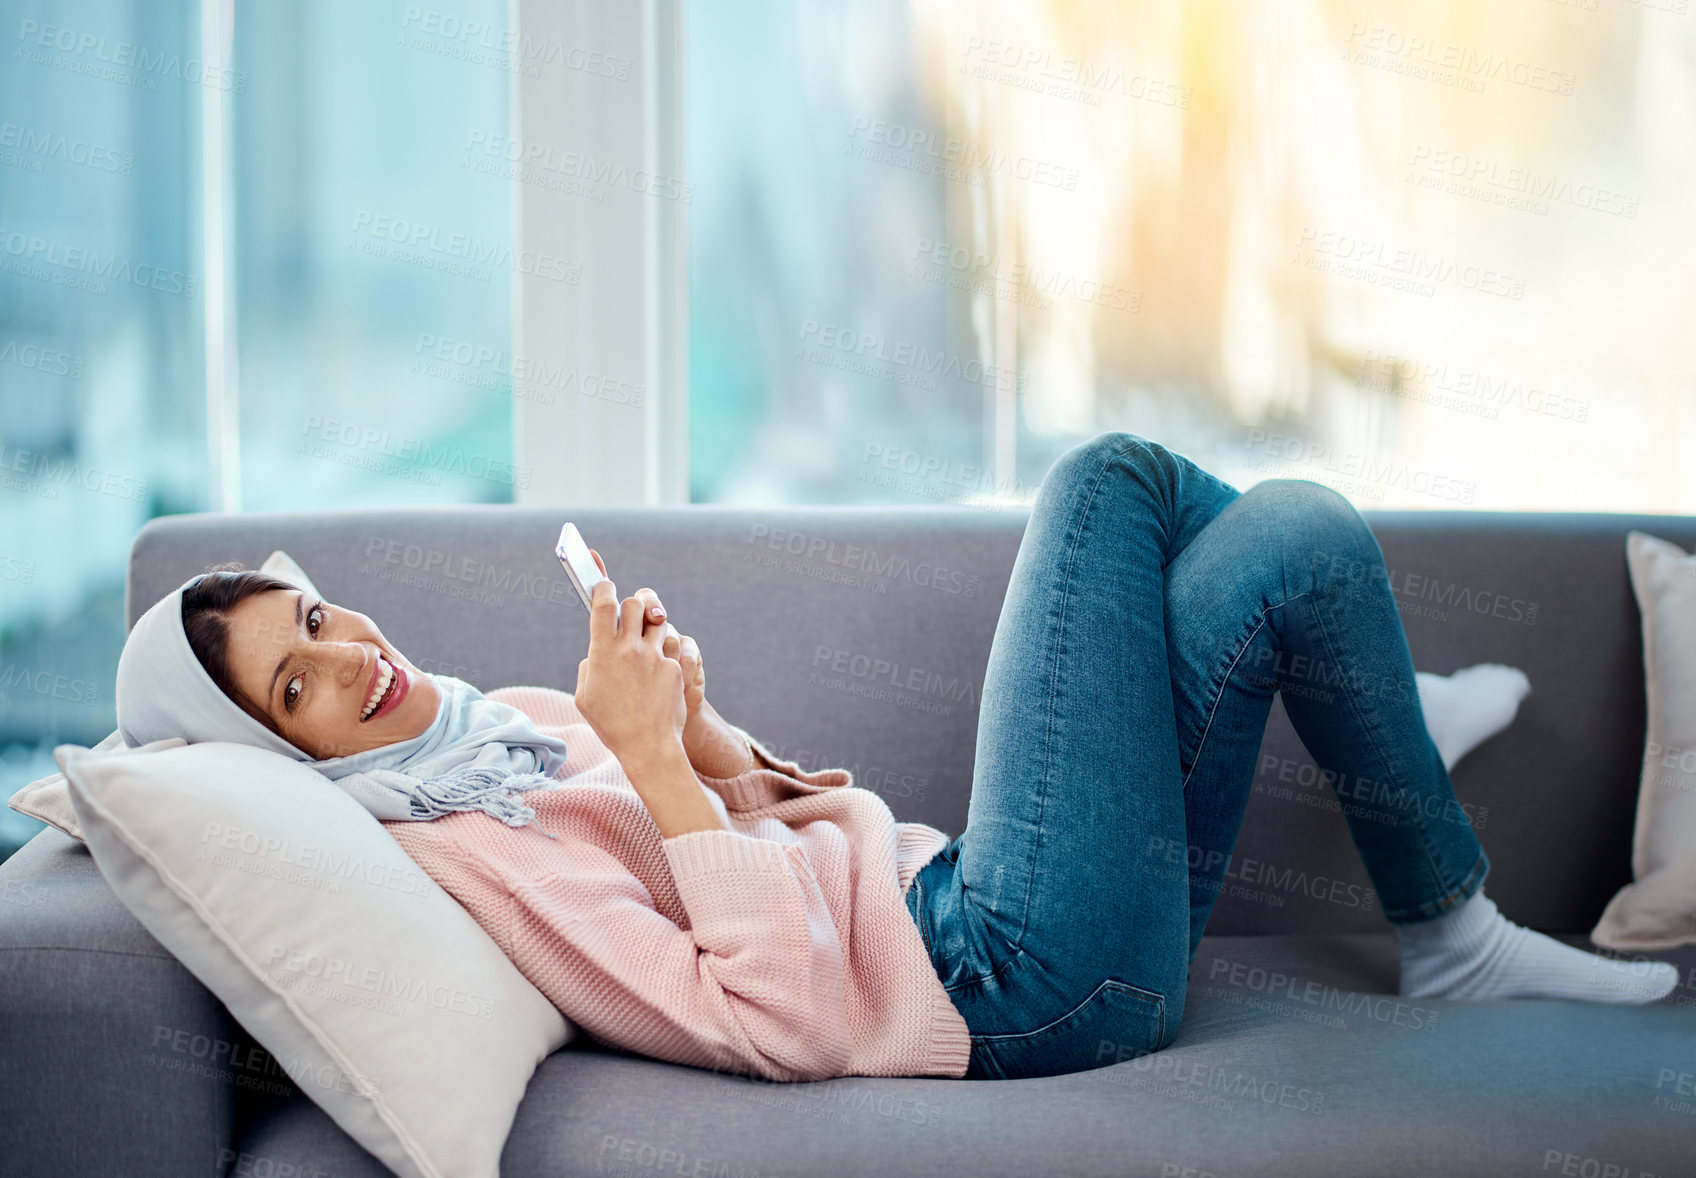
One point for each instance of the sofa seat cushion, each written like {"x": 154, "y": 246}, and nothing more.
{"x": 113, "y": 1057}
{"x": 1295, "y": 1057}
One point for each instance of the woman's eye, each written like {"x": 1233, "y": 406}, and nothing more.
{"x": 291, "y": 692}
{"x": 311, "y": 626}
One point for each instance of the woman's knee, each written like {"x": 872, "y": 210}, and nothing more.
{"x": 1317, "y": 525}
{"x": 1084, "y": 462}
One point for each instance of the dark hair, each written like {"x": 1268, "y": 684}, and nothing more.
{"x": 207, "y": 604}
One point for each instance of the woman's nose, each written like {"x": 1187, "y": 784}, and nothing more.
{"x": 352, "y": 660}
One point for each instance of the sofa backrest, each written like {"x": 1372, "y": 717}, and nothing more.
{"x": 858, "y": 637}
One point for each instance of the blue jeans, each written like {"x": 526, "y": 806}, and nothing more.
{"x": 1153, "y": 610}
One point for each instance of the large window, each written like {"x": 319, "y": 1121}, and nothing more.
{"x": 1434, "y": 256}
{"x": 265, "y": 256}
{"x": 366, "y": 267}
{"x": 373, "y": 254}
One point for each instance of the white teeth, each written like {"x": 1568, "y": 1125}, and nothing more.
{"x": 384, "y": 674}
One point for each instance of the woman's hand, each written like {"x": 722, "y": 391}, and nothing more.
{"x": 688, "y": 655}
{"x": 627, "y": 689}
{"x": 714, "y": 747}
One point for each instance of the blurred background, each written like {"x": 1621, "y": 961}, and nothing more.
{"x": 260, "y": 256}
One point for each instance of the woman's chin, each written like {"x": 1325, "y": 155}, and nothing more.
{"x": 409, "y": 718}
{"x": 416, "y": 712}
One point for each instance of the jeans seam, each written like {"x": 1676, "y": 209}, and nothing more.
{"x": 922, "y": 915}
{"x": 1075, "y": 540}
{"x": 1446, "y": 902}
{"x": 1378, "y": 750}
{"x": 1147, "y": 995}
{"x": 1219, "y": 690}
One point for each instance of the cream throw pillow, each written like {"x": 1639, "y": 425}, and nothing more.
{"x": 371, "y": 987}
{"x": 47, "y": 800}
{"x": 1658, "y": 911}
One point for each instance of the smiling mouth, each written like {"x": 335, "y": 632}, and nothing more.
{"x": 374, "y": 704}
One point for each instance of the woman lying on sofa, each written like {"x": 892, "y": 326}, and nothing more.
{"x": 680, "y": 892}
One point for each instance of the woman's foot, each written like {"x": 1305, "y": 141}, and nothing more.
{"x": 1474, "y": 952}
{"x": 1467, "y": 708}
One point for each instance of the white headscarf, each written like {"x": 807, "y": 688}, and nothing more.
{"x": 470, "y": 756}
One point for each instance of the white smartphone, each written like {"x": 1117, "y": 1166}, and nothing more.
{"x": 579, "y": 565}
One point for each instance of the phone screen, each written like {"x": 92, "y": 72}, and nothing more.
{"x": 579, "y": 565}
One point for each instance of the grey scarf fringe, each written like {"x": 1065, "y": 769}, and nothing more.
{"x": 479, "y": 789}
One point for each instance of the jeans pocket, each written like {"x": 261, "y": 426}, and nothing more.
{"x": 1118, "y": 1021}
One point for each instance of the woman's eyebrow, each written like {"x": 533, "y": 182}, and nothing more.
{"x": 271, "y": 695}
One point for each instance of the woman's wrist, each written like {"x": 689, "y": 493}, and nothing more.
{"x": 716, "y": 748}
{"x": 655, "y": 761}
{"x": 665, "y": 781}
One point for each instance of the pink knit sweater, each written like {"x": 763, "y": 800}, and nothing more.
{"x": 781, "y": 948}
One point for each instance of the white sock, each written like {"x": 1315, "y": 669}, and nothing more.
{"x": 1473, "y": 952}
{"x": 1467, "y": 708}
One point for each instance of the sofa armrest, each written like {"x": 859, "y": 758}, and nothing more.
{"x": 116, "y": 1059}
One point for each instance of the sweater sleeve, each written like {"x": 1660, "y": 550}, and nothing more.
{"x": 756, "y": 984}
{"x": 771, "y": 780}
{"x": 767, "y": 943}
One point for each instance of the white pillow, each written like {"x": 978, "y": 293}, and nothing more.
{"x": 281, "y": 564}
{"x": 1658, "y": 911}
{"x": 386, "y": 1002}
{"x": 47, "y": 800}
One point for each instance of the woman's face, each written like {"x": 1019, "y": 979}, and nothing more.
{"x": 315, "y": 668}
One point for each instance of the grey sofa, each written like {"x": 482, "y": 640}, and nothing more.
{"x": 1294, "y": 1056}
